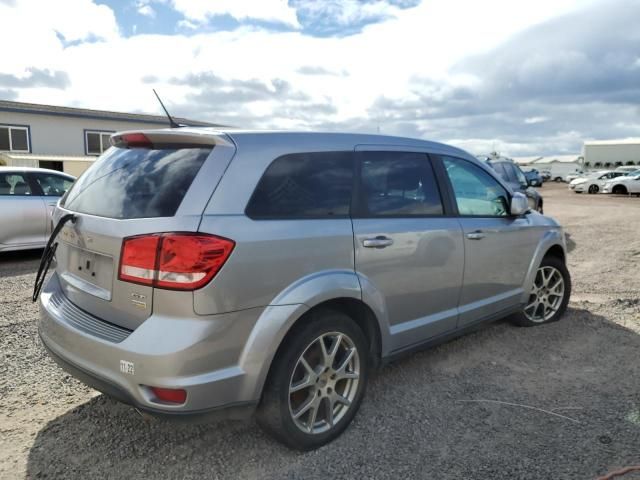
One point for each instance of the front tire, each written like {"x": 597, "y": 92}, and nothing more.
{"x": 549, "y": 294}
{"x": 317, "y": 381}
{"x": 594, "y": 189}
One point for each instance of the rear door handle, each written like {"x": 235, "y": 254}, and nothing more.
{"x": 378, "y": 242}
{"x": 475, "y": 235}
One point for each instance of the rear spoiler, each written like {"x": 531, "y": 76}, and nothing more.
{"x": 181, "y": 136}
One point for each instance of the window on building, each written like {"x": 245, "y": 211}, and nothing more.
{"x": 97, "y": 142}
{"x": 14, "y": 138}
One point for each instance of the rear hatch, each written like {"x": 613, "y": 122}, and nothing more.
{"x": 148, "y": 183}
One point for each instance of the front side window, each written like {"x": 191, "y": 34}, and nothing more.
{"x": 304, "y": 185}
{"x": 97, "y": 142}
{"x": 477, "y": 193}
{"x": 14, "y": 184}
{"x": 53, "y": 185}
{"x": 398, "y": 184}
{"x": 14, "y": 138}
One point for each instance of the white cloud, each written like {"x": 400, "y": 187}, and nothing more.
{"x": 384, "y": 59}
{"x": 147, "y": 11}
{"x": 268, "y": 10}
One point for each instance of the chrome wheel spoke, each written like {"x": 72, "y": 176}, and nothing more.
{"x": 329, "y": 406}
{"x": 330, "y": 355}
{"x": 546, "y": 294}
{"x": 324, "y": 382}
{"x": 306, "y": 382}
{"x": 305, "y": 406}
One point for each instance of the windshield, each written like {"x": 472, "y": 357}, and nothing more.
{"x": 136, "y": 182}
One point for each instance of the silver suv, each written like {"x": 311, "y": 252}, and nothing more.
{"x": 201, "y": 270}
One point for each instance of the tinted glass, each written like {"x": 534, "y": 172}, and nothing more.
{"x": 136, "y": 183}
{"x": 14, "y": 184}
{"x": 510, "y": 173}
{"x": 106, "y": 141}
{"x": 93, "y": 143}
{"x": 500, "y": 170}
{"x": 398, "y": 184}
{"x": 19, "y": 139}
{"x": 520, "y": 178}
{"x": 477, "y": 193}
{"x": 4, "y": 139}
{"x": 304, "y": 185}
{"x": 53, "y": 185}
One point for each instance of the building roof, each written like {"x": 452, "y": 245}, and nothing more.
{"x": 38, "y": 109}
{"x": 46, "y": 158}
{"x": 624, "y": 141}
{"x": 527, "y": 160}
{"x": 558, "y": 159}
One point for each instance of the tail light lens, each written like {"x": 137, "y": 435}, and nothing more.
{"x": 174, "y": 261}
{"x": 131, "y": 140}
{"x": 169, "y": 395}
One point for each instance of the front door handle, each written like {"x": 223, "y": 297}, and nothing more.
{"x": 478, "y": 235}
{"x": 378, "y": 242}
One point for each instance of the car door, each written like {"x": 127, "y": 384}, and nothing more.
{"x": 408, "y": 253}
{"x": 498, "y": 246}
{"x": 22, "y": 214}
{"x": 49, "y": 187}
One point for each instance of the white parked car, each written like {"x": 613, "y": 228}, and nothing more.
{"x": 594, "y": 182}
{"x": 627, "y": 184}
{"x": 627, "y": 169}
{"x": 570, "y": 177}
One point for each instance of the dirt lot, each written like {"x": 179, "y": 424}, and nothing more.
{"x": 434, "y": 415}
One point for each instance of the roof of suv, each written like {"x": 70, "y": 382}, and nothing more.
{"x": 303, "y": 139}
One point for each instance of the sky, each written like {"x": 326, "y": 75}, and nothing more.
{"x": 523, "y": 78}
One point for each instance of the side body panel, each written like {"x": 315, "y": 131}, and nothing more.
{"x": 418, "y": 276}
{"x": 24, "y": 222}
{"x": 496, "y": 263}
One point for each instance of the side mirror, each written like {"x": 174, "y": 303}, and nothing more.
{"x": 519, "y": 204}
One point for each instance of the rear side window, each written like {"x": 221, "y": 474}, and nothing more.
{"x": 52, "y": 185}
{"x": 398, "y": 184}
{"x": 14, "y": 184}
{"x": 304, "y": 185}
{"x": 136, "y": 182}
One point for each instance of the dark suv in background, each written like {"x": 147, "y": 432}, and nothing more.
{"x": 511, "y": 173}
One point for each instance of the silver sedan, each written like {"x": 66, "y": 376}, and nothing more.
{"x": 27, "y": 197}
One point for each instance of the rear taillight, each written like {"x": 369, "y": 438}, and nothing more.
{"x": 175, "y": 261}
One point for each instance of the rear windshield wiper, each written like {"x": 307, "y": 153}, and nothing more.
{"x": 48, "y": 254}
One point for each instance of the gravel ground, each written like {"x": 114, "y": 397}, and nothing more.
{"x": 435, "y": 414}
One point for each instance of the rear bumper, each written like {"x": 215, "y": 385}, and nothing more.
{"x": 201, "y": 355}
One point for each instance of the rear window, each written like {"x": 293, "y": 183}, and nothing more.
{"x": 304, "y": 185}
{"x": 136, "y": 182}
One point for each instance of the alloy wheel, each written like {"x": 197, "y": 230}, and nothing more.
{"x": 324, "y": 382}
{"x": 546, "y": 295}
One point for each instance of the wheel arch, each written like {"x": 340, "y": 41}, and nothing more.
{"x": 333, "y": 290}
{"x": 552, "y": 243}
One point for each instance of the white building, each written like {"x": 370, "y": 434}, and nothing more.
{"x": 611, "y": 153}
{"x": 63, "y": 138}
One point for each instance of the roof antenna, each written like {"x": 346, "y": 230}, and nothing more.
{"x": 172, "y": 122}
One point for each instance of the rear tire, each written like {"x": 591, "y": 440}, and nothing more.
{"x": 619, "y": 190}
{"x": 549, "y": 295}
{"x": 310, "y": 396}
{"x": 558, "y": 179}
